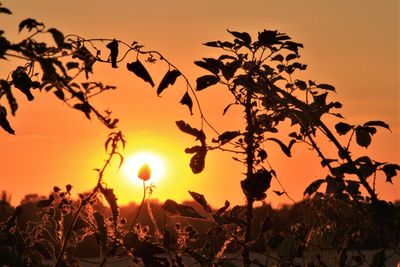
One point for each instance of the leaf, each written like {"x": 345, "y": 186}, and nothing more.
{"x": 199, "y": 198}
{"x": 174, "y": 208}
{"x": 363, "y": 137}
{"x": 23, "y": 82}
{"x": 343, "y": 128}
{"x": 84, "y": 107}
{"x": 244, "y": 36}
{"x": 109, "y": 195}
{"x": 4, "y": 122}
{"x": 209, "y": 64}
{"x": 313, "y": 187}
{"x": 279, "y": 193}
{"x": 5, "y": 11}
{"x": 6, "y": 88}
{"x": 206, "y": 81}
{"x": 326, "y": 87}
{"x": 169, "y": 79}
{"x": 187, "y": 100}
{"x": 278, "y": 57}
{"x": 291, "y": 57}
{"x": 139, "y": 70}
{"x": 227, "y": 107}
{"x": 285, "y": 149}
{"x": 29, "y": 24}
{"x": 212, "y": 44}
{"x": 377, "y": 123}
{"x": 221, "y": 210}
{"x": 60, "y": 94}
{"x": 186, "y": 128}
{"x": 72, "y": 65}
{"x": 57, "y": 36}
{"x": 197, "y": 162}
{"x": 390, "y": 171}
{"x": 228, "y": 136}
{"x": 353, "y": 187}
{"x": 113, "y": 46}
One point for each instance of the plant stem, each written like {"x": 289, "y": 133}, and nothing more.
{"x": 140, "y": 208}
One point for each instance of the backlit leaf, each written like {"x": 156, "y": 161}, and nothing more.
{"x": 313, "y": 187}
{"x": 169, "y": 79}
{"x": 326, "y": 87}
{"x": 285, "y": 149}
{"x": 390, "y": 171}
{"x": 139, "y": 70}
{"x": 109, "y": 195}
{"x": 23, "y": 82}
{"x": 187, "y": 100}
{"x": 228, "y": 136}
{"x": 176, "y": 209}
{"x": 343, "y": 128}
{"x": 199, "y": 198}
{"x": 113, "y": 47}
{"x": 4, "y": 122}
{"x": 29, "y": 24}
{"x": 84, "y": 107}
{"x": 244, "y": 36}
{"x": 363, "y": 137}
{"x": 6, "y": 88}
{"x": 377, "y": 123}
{"x": 206, "y": 81}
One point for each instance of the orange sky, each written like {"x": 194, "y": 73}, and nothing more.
{"x": 353, "y": 45}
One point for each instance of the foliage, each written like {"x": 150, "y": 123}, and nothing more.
{"x": 259, "y": 73}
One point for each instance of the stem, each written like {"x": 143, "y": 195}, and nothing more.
{"x": 140, "y": 208}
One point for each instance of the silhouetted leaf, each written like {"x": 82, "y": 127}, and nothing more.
{"x": 326, "y": 162}
{"x": 285, "y": 149}
{"x": 221, "y": 210}
{"x": 30, "y": 24}
{"x": 343, "y": 128}
{"x": 267, "y": 38}
{"x": 187, "y": 100}
{"x": 72, "y": 65}
{"x": 5, "y": 11}
{"x": 174, "y": 208}
{"x": 23, "y": 82}
{"x": 390, "y": 171}
{"x": 84, "y": 54}
{"x": 313, "y": 187}
{"x": 206, "y": 81}
{"x": 169, "y": 79}
{"x": 262, "y": 154}
{"x": 113, "y": 46}
{"x": 228, "y": 136}
{"x": 244, "y": 36}
{"x": 186, "y": 128}
{"x": 139, "y": 70}
{"x": 212, "y": 44}
{"x": 209, "y": 64}
{"x": 44, "y": 203}
{"x": 363, "y": 136}
{"x": 279, "y": 193}
{"x": 199, "y": 198}
{"x": 227, "y": 107}
{"x": 291, "y": 57}
{"x": 278, "y": 57}
{"x": 4, "y": 122}
{"x": 229, "y": 70}
{"x": 57, "y": 36}
{"x": 109, "y": 195}
{"x": 326, "y": 87}
{"x": 197, "y": 162}
{"x": 84, "y": 107}
{"x": 353, "y": 187}
{"x": 255, "y": 185}
{"x": 60, "y": 94}
{"x": 377, "y": 123}
{"x": 6, "y": 88}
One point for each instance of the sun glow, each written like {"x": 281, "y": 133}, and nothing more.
{"x": 134, "y": 163}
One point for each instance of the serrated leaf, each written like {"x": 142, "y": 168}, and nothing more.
{"x": 187, "y": 100}
{"x": 199, "y": 198}
{"x": 101, "y": 227}
{"x": 313, "y": 187}
{"x": 343, "y": 128}
{"x": 205, "y": 81}
{"x": 111, "y": 199}
{"x": 139, "y": 70}
{"x": 176, "y": 209}
{"x": 377, "y": 123}
{"x": 4, "y": 122}
{"x": 168, "y": 79}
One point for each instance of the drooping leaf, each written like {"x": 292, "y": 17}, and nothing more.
{"x": 4, "y": 122}
{"x": 113, "y": 46}
{"x": 57, "y": 36}
{"x": 377, "y": 123}
{"x": 228, "y": 136}
{"x": 313, "y": 187}
{"x": 326, "y": 87}
{"x": 139, "y": 70}
{"x": 29, "y": 24}
{"x": 390, "y": 171}
{"x": 197, "y": 162}
{"x": 186, "y": 128}
{"x": 343, "y": 128}
{"x": 206, "y": 81}
{"x": 199, "y": 198}
{"x": 176, "y": 209}
{"x": 84, "y": 107}
{"x": 6, "y": 88}
{"x": 243, "y": 36}
{"x": 187, "y": 100}
{"x": 23, "y": 82}
{"x": 169, "y": 79}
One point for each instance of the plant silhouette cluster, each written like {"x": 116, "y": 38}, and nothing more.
{"x": 260, "y": 74}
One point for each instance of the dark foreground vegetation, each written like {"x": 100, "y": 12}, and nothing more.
{"x": 342, "y": 212}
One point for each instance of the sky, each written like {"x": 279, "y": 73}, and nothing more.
{"x": 353, "y": 45}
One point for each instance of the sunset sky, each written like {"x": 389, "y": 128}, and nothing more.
{"x": 353, "y": 45}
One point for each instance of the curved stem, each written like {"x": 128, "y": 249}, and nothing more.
{"x": 140, "y": 208}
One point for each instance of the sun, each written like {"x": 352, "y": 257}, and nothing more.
{"x": 132, "y": 164}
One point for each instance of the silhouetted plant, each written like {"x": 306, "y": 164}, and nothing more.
{"x": 260, "y": 75}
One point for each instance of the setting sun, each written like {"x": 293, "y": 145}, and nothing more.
{"x": 134, "y": 163}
